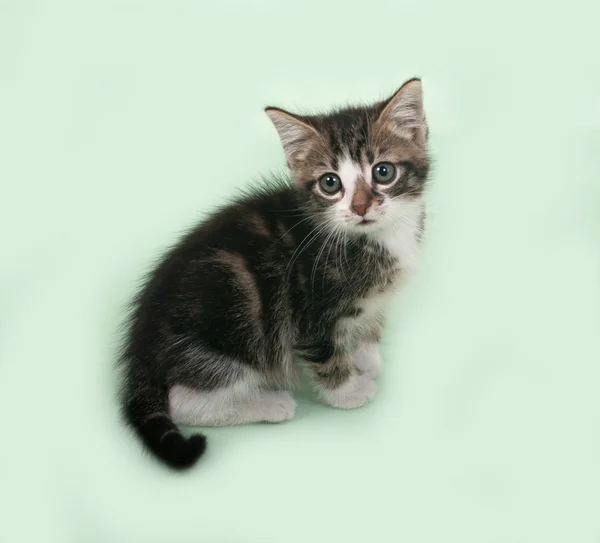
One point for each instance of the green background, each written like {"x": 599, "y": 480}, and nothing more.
{"x": 122, "y": 121}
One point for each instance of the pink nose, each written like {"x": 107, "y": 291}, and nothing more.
{"x": 360, "y": 208}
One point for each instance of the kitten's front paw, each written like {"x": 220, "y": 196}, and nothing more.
{"x": 355, "y": 392}
{"x": 367, "y": 360}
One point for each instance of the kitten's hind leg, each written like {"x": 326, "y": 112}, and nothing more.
{"x": 229, "y": 406}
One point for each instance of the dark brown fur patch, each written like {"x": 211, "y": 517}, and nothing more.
{"x": 333, "y": 374}
{"x": 257, "y": 225}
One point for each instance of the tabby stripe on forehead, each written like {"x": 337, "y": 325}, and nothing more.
{"x": 356, "y": 150}
{"x": 334, "y": 143}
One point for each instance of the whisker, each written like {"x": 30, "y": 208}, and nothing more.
{"x": 334, "y": 243}
{"x": 316, "y": 262}
{"x": 289, "y": 230}
{"x": 304, "y": 244}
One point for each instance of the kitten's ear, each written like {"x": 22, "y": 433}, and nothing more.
{"x": 294, "y": 132}
{"x": 404, "y": 112}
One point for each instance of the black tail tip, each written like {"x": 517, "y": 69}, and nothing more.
{"x": 182, "y": 453}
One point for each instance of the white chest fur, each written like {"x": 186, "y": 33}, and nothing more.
{"x": 403, "y": 239}
{"x": 403, "y": 242}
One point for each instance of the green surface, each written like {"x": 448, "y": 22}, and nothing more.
{"x": 121, "y": 121}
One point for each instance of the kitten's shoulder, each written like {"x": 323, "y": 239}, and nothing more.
{"x": 253, "y": 211}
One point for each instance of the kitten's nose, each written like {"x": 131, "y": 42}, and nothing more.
{"x": 360, "y": 208}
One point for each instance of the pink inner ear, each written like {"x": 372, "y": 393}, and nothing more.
{"x": 404, "y": 112}
{"x": 294, "y": 133}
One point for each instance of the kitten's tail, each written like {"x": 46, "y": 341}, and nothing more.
{"x": 145, "y": 409}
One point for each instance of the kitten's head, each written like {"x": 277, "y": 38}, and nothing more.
{"x": 359, "y": 168}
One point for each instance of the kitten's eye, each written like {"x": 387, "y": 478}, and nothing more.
{"x": 330, "y": 183}
{"x": 384, "y": 173}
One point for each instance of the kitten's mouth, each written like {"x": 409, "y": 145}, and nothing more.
{"x": 366, "y": 222}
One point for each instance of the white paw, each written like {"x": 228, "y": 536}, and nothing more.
{"x": 355, "y": 392}
{"x": 367, "y": 360}
{"x": 275, "y": 406}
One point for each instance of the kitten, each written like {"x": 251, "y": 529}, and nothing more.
{"x": 297, "y": 273}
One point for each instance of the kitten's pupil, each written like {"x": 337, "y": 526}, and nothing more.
{"x": 383, "y": 171}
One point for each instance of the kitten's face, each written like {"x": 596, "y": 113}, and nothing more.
{"x": 359, "y": 169}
